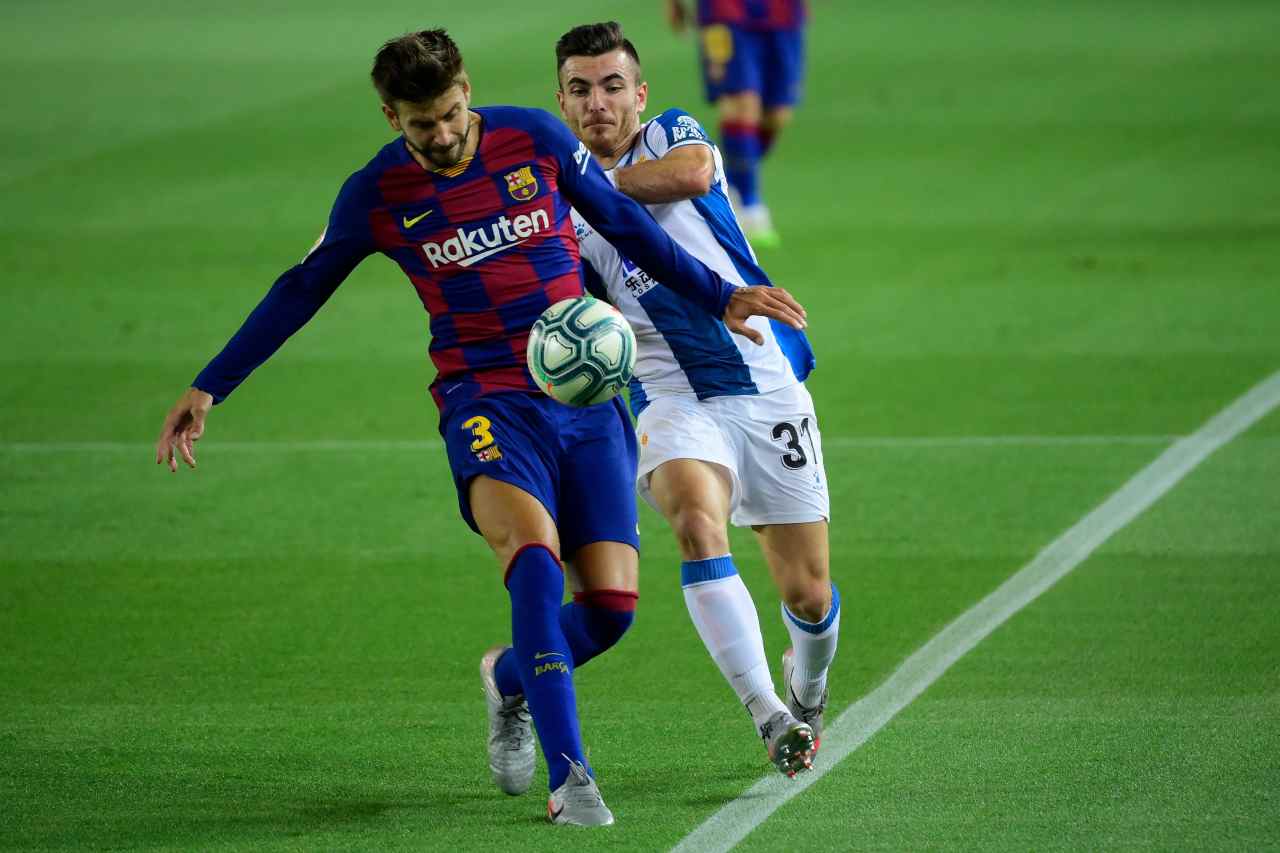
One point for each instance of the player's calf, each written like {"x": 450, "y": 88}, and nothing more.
{"x": 814, "y": 637}
{"x": 592, "y": 623}
{"x": 595, "y": 621}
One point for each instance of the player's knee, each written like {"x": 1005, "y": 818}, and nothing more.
{"x": 700, "y": 533}
{"x": 775, "y": 119}
{"x": 508, "y": 538}
{"x": 807, "y": 596}
{"x": 743, "y": 107}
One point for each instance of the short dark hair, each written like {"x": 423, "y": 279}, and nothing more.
{"x": 417, "y": 67}
{"x": 595, "y": 40}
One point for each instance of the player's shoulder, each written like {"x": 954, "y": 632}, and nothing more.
{"x": 672, "y": 128}
{"x": 546, "y": 133}
{"x": 391, "y": 156}
{"x": 674, "y": 116}
{"x": 361, "y": 187}
{"x": 530, "y": 119}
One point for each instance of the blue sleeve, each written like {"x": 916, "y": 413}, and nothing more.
{"x": 629, "y": 227}
{"x": 296, "y": 295}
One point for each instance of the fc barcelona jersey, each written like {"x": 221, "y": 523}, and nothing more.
{"x": 487, "y": 246}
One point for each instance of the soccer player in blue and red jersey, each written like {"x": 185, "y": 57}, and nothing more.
{"x": 752, "y": 54}
{"x": 474, "y": 205}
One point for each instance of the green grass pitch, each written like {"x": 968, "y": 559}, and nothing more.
{"x": 1054, "y": 226}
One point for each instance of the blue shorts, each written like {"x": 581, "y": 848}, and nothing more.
{"x": 580, "y": 463}
{"x": 768, "y": 62}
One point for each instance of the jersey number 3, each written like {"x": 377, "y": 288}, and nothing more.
{"x": 479, "y": 426}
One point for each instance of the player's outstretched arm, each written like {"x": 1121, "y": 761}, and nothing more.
{"x": 182, "y": 428}
{"x": 680, "y": 174}
{"x": 635, "y": 233}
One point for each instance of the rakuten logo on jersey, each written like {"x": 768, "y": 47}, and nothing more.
{"x": 472, "y": 247}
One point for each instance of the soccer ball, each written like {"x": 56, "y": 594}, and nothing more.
{"x": 581, "y": 351}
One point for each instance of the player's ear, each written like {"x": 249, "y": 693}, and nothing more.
{"x": 642, "y": 96}
{"x": 392, "y": 118}
{"x": 466, "y": 89}
{"x": 560, "y": 100}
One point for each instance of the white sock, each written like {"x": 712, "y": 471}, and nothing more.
{"x": 814, "y": 645}
{"x": 726, "y": 619}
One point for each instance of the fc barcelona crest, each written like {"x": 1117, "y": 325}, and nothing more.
{"x": 522, "y": 184}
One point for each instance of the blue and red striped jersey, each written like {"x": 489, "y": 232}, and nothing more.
{"x": 487, "y": 246}
{"x": 753, "y": 14}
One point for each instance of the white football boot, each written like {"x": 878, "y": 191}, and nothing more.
{"x": 578, "y": 801}
{"x": 790, "y": 743}
{"x": 512, "y": 755}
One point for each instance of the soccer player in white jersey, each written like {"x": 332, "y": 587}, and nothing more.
{"x": 727, "y": 429}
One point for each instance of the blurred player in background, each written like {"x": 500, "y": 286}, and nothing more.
{"x": 727, "y": 430}
{"x": 473, "y": 204}
{"x": 752, "y": 54}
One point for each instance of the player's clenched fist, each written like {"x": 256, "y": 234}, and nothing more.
{"x": 183, "y": 426}
{"x": 758, "y": 300}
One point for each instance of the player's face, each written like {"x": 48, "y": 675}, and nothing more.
{"x": 601, "y": 100}
{"x": 437, "y": 130}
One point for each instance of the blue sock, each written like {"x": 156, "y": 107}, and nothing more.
{"x": 592, "y": 623}
{"x": 741, "y": 146}
{"x": 595, "y": 621}
{"x": 543, "y": 658}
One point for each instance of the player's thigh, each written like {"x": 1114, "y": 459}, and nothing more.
{"x": 694, "y": 497}
{"x": 783, "y": 85}
{"x": 779, "y": 456}
{"x": 504, "y": 470}
{"x": 683, "y": 429}
{"x": 597, "y": 455}
{"x": 688, "y": 484}
{"x": 509, "y": 518}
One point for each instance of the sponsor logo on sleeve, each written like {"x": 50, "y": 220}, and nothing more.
{"x": 582, "y": 157}
{"x": 685, "y": 128}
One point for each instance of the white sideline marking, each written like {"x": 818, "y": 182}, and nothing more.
{"x": 361, "y": 446}
{"x": 860, "y": 721}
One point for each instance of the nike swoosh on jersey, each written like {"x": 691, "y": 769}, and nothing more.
{"x": 541, "y": 655}
{"x": 409, "y": 223}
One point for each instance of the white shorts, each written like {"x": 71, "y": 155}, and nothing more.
{"x": 769, "y": 443}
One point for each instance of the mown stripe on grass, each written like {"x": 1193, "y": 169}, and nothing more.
{"x": 733, "y": 822}
{"x": 361, "y": 446}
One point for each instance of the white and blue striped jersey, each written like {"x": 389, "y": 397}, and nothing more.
{"x": 680, "y": 349}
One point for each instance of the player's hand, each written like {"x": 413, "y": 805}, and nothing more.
{"x": 182, "y": 428}
{"x": 760, "y": 301}
{"x": 677, "y": 17}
